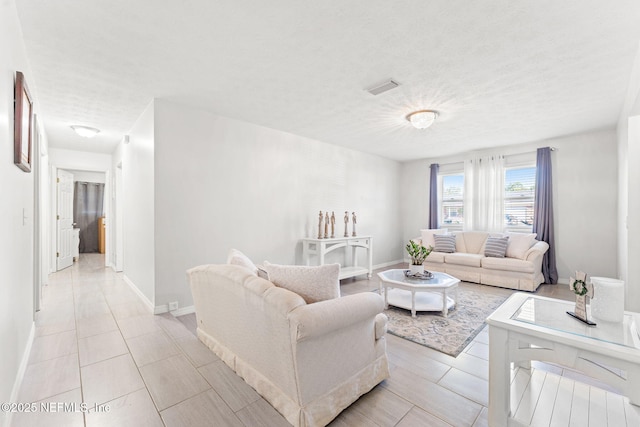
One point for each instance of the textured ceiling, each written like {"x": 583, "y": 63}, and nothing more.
{"x": 499, "y": 72}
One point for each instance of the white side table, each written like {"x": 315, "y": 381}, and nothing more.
{"x": 529, "y": 327}
{"x": 321, "y": 247}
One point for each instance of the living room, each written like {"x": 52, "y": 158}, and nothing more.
{"x": 200, "y": 179}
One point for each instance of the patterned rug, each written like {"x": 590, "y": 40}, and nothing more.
{"x": 449, "y": 335}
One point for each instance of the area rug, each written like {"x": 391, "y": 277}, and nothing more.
{"x": 449, "y": 335}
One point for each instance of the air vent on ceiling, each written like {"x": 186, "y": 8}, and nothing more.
{"x": 383, "y": 87}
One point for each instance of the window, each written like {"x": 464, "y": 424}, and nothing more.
{"x": 452, "y": 201}
{"x": 519, "y": 194}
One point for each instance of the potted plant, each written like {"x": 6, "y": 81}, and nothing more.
{"x": 418, "y": 254}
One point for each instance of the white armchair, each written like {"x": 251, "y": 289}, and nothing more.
{"x": 310, "y": 361}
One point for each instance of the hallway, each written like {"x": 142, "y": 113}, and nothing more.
{"x": 95, "y": 342}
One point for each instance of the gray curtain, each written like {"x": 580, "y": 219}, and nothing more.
{"x": 88, "y": 198}
{"x": 433, "y": 195}
{"x": 543, "y": 213}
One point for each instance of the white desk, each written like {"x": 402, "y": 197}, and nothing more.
{"x": 528, "y": 327}
{"x": 321, "y": 247}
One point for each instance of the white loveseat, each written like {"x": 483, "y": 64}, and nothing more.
{"x": 310, "y": 361}
{"x": 469, "y": 263}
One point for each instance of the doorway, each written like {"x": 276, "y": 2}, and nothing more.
{"x": 81, "y": 206}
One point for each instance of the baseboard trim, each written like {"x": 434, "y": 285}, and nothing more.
{"x": 138, "y": 292}
{"x": 160, "y": 309}
{"x": 387, "y": 264}
{"x": 184, "y": 310}
{"x": 21, "y": 371}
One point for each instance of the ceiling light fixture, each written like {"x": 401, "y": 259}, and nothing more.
{"x": 85, "y": 131}
{"x": 422, "y": 119}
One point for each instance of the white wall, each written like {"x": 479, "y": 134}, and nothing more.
{"x": 16, "y": 215}
{"x": 138, "y": 204}
{"x": 87, "y": 176}
{"x": 116, "y": 214}
{"x": 633, "y": 216}
{"x": 628, "y": 194}
{"x": 79, "y": 160}
{"x": 585, "y": 186}
{"x": 222, "y": 183}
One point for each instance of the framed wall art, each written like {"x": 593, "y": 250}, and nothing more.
{"x": 23, "y": 124}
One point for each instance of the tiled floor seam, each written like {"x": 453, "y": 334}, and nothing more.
{"x": 417, "y": 406}
{"x": 174, "y": 340}
{"x": 75, "y": 318}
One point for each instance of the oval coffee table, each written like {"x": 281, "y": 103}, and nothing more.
{"x": 418, "y": 294}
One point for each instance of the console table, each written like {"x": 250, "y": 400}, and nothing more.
{"x": 528, "y": 327}
{"x": 321, "y": 247}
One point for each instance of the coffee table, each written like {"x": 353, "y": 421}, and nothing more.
{"x": 418, "y": 294}
{"x": 529, "y": 327}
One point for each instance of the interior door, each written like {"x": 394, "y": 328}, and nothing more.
{"x": 64, "y": 220}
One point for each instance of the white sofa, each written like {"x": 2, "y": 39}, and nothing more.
{"x": 310, "y": 361}
{"x": 469, "y": 263}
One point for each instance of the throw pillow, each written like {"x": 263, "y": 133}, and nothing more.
{"x": 427, "y": 236}
{"x": 445, "y": 243}
{"x": 313, "y": 284}
{"x": 236, "y": 257}
{"x": 496, "y": 246}
{"x": 519, "y": 244}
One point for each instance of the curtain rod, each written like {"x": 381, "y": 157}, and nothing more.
{"x": 515, "y": 154}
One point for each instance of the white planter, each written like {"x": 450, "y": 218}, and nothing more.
{"x": 416, "y": 268}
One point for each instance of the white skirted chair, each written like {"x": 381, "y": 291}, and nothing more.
{"x": 309, "y": 361}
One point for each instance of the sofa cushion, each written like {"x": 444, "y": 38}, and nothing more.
{"x": 313, "y": 284}
{"x": 460, "y": 258}
{"x": 436, "y": 257}
{"x": 236, "y": 257}
{"x": 471, "y": 242}
{"x": 427, "y": 236}
{"x": 508, "y": 264}
{"x": 519, "y": 244}
{"x": 445, "y": 243}
{"x": 496, "y": 247}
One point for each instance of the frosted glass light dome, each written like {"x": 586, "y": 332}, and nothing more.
{"x": 85, "y": 131}
{"x": 422, "y": 119}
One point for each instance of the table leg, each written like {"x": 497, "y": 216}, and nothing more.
{"x": 633, "y": 378}
{"x": 323, "y": 249}
{"x": 499, "y": 378}
{"x": 354, "y": 256}
{"x": 386, "y": 299}
{"x": 305, "y": 252}
{"x": 413, "y": 304}
{"x": 525, "y": 364}
{"x": 445, "y": 308}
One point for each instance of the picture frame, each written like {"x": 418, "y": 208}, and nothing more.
{"x": 22, "y": 124}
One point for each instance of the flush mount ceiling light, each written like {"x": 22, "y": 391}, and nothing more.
{"x": 422, "y": 119}
{"x": 85, "y": 131}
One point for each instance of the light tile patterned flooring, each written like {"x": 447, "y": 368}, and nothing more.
{"x": 96, "y": 343}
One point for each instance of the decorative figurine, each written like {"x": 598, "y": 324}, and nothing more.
{"x": 333, "y": 224}
{"x": 326, "y": 225}
{"x": 346, "y": 221}
{"x": 583, "y": 291}
{"x": 320, "y": 218}
{"x": 354, "y": 224}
